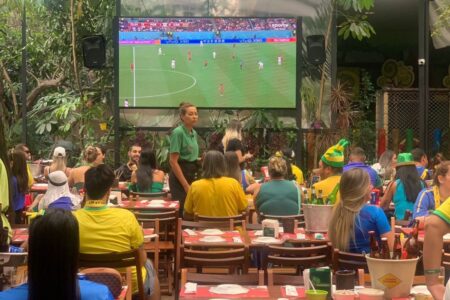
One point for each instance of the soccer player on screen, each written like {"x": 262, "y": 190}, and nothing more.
{"x": 280, "y": 60}
{"x": 201, "y": 43}
{"x": 132, "y": 67}
{"x": 159, "y": 51}
{"x": 260, "y": 65}
{"x": 125, "y": 103}
{"x": 205, "y": 63}
{"x": 214, "y": 54}
{"x": 172, "y": 64}
{"x": 241, "y": 65}
{"x": 221, "y": 89}
{"x": 189, "y": 55}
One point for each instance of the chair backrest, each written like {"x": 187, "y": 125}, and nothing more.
{"x": 231, "y": 258}
{"x": 137, "y": 195}
{"x": 232, "y": 221}
{"x": 165, "y": 223}
{"x": 349, "y": 261}
{"x": 107, "y": 276}
{"x": 283, "y": 279}
{"x": 299, "y": 220}
{"x": 210, "y": 279}
{"x": 299, "y": 258}
{"x": 115, "y": 260}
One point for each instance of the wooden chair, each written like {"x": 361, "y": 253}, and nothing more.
{"x": 232, "y": 260}
{"x": 299, "y": 220}
{"x": 233, "y": 221}
{"x": 297, "y": 258}
{"x": 283, "y": 279}
{"x": 136, "y": 195}
{"x": 164, "y": 250}
{"x": 351, "y": 261}
{"x": 117, "y": 260}
{"x": 211, "y": 279}
{"x": 109, "y": 277}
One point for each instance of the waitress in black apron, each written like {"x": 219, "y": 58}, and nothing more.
{"x": 184, "y": 153}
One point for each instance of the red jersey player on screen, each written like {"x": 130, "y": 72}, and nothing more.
{"x": 221, "y": 89}
{"x": 189, "y": 55}
{"x": 132, "y": 67}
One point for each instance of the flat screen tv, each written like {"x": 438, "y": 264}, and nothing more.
{"x": 211, "y": 62}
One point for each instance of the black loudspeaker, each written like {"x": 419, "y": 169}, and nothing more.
{"x": 315, "y": 46}
{"x": 94, "y": 55}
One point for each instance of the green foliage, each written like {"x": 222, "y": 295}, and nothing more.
{"x": 356, "y": 22}
{"x": 366, "y": 91}
{"x": 443, "y": 19}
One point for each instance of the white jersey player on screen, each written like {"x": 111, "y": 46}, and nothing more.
{"x": 214, "y": 54}
{"x": 159, "y": 51}
{"x": 260, "y": 65}
{"x": 280, "y": 60}
{"x": 172, "y": 64}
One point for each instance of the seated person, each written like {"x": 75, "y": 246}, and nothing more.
{"x": 353, "y": 218}
{"x": 58, "y": 194}
{"x": 403, "y": 191}
{"x": 58, "y": 163}
{"x": 53, "y": 246}
{"x": 76, "y": 178}
{"x": 421, "y": 161}
{"x": 431, "y": 198}
{"x": 147, "y": 179}
{"x": 104, "y": 229}
{"x": 289, "y": 155}
{"x": 357, "y": 159}
{"x": 215, "y": 195}
{"x": 248, "y": 183}
{"x": 278, "y": 196}
{"x": 330, "y": 170}
{"x": 124, "y": 171}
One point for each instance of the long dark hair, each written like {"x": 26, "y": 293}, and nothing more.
{"x": 53, "y": 256}
{"x": 19, "y": 169}
{"x": 144, "y": 173}
{"x": 409, "y": 176}
{"x": 233, "y": 168}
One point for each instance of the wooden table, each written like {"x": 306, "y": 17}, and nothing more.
{"x": 255, "y": 292}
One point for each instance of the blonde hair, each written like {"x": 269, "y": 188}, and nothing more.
{"x": 277, "y": 167}
{"x": 233, "y": 131}
{"x": 90, "y": 154}
{"x": 58, "y": 164}
{"x": 354, "y": 186}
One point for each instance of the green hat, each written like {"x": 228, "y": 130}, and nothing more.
{"x": 334, "y": 156}
{"x": 405, "y": 159}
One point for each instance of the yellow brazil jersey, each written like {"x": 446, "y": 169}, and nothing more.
{"x": 444, "y": 211}
{"x": 216, "y": 197}
{"x": 327, "y": 186}
{"x": 298, "y": 174}
{"x": 106, "y": 230}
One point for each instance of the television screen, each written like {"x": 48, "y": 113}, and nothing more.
{"x": 211, "y": 62}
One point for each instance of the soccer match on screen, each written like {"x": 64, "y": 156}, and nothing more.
{"x": 216, "y": 62}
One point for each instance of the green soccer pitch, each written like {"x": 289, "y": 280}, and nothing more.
{"x": 233, "y": 79}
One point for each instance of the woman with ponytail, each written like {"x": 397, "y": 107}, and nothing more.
{"x": 353, "y": 218}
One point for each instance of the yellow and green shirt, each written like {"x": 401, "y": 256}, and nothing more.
{"x": 215, "y": 197}
{"x": 328, "y": 185}
{"x": 443, "y": 211}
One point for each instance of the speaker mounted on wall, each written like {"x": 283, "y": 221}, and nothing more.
{"x": 94, "y": 52}
{"x": 315, "y": 46}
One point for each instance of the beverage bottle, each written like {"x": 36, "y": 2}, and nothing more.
{"x": 320, "y": 198}
{"x": 374, "y": 250}
{"x": 313, "y": 196}
{"x": 408, "y": 215}
{"x": 385, "y": 254}
{"x": 305, "y": 196}
{"x": 412, "y": 243}
{"x": 397, "y": 253}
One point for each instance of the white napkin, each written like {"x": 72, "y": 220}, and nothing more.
{"x": 291, "y": 291}
{"x": 301, "y": 236}
{"x": 446, "y": 237}
{"x": 258, "y": 233}
{"x": 237, "y": 239}
{"x": 190, "y": 232}
{"x": 143, "y": 201}
{"x": 190, "y": 288}
{"x": 172, "y": 205}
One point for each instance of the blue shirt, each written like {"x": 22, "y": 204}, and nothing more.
{"x": 370, "y": 218}
{"x": 18, "y": 198}
{"x": 426, "y": 201}
{"x": 374, "y": 178}
{"x": 89, "y": 291}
